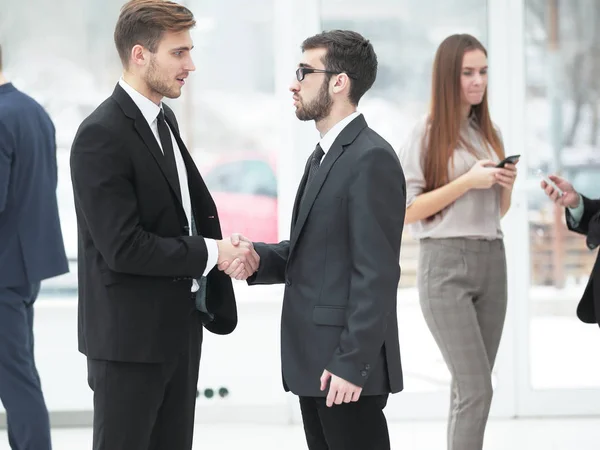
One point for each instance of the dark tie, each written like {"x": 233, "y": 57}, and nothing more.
{"x": 167, "y": 146}
{"x": 313, "y": 167}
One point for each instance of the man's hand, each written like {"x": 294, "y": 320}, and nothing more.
{"x": 570, "y": 197}
{"x": 237, "y": 257}
{"x": 340, "y": 390}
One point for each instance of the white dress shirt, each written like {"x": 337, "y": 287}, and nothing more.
{"x": 330, "y": 137}
{"x": 150, "y": 112}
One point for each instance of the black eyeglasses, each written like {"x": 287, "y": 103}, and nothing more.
{"x": 301, "y": 72}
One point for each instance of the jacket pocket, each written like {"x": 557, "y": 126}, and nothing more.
{"x": 330, "y": 315}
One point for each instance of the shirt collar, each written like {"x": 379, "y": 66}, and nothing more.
{"x": 148, "y": 108}
{"x": 7, "y": 87}
{"x": 330, "y": 137}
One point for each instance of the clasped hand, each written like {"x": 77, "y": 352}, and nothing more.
{"x": 237, "y": 257}
{"x": 484, "y": 174}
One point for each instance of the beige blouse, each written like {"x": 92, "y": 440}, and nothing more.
{"x": 476, "y": 214}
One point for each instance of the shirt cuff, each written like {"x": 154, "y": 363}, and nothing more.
{"x": 577, "y": 212}
{"x": 213, "y": 255}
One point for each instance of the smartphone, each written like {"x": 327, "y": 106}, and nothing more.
{"x": 547, "y": 179}
{"x": 512, "y": 159}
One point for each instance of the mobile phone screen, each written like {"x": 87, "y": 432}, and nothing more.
{"x": 547, "y": 179}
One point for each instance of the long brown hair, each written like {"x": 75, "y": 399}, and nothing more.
{"x": 445, "y": 115}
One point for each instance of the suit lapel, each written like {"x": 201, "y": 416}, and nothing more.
{"x": 148, "y": 137}
{"x": 304, "y": 208}
{"x": 199, "y": 193}
{"x": 193, "y": 175}
{"x": 299, "y": 196}
{"x": 141, "y": 126}
{"x": 182, "y": 149}
{"x": 301, "y": 211}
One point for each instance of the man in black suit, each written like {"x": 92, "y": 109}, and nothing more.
{"x": 583, "y": 216}
{"x": 149, "y": 238}
{"x": 340, "y": 351}
{"x": 31, "y": 250}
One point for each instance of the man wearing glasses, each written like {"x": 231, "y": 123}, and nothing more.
{"x": 340, "y": 351}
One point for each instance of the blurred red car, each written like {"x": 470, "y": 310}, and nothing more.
{"x": 245, "y": 191}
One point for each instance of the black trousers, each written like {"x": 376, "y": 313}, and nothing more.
{"x": 358, "y": 425}
{"x": 141, "y": 406}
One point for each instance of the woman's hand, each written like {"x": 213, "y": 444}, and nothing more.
{"x": 482, "y": 175}
{"x": 506, "y": 176}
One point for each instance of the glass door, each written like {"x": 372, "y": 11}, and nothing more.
{"x": 405, "y": 35}
{"x": 557, "y": 373}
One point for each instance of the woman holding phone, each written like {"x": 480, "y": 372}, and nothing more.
{"x": 456, "y": 196}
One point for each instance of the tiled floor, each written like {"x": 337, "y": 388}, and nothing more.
{"x": 545, "y": 434}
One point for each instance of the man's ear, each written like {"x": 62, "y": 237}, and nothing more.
{"x": 138, "y": 55}
{"x": 342, "y": 81}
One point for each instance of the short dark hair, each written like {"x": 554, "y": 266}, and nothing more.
{"x": 143, "y": 22}
{"x": 348, "y": 52}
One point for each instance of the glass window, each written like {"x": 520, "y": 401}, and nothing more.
{"x": 249, "y": 177}
{"x": 562, "y": 136}
{"x": 226, "y": 110}
{"x": 405, "y": 35}
{"x": 62, "y": 53}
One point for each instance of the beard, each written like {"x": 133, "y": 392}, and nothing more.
{"x": 158, "y": 83}
{"x": 319, "y": 108}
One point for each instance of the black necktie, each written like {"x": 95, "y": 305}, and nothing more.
{"x": 313, "y": 167}
{"x": 167, "y": 147}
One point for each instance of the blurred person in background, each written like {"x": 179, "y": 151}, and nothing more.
{"x": 583, "y": 217}
{"x": 149, "y": 239}
{"x": 455, "y": 200}
{"x": 31, "y": 250}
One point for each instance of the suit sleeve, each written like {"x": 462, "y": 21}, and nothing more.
{"x": 106, "y": 200}
{"x": 273, "y": 261}
{"x": 6, "y": 158}
{"x": 589, "y": 222}
{"x": 590, "y": 209}
{"x": 377, "y": 204}
{"x": 593, "y": 235}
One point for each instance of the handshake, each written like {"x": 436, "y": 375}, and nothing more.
{"x": 237, "y": 257}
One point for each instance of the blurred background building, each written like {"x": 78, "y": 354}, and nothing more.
{"x": 237, "y": 118}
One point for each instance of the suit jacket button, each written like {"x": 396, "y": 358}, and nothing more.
{"x": 363, "y": 373}
{"x": 367, "y": 366}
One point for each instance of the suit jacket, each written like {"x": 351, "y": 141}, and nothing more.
{"x": 31, "y": 242}
{"x": 341, "y": 269}
{"x": 589, "y": 306}
{"x": 136, "y": 258}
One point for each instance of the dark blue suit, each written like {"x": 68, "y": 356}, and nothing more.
{"x": 31, "y": 250}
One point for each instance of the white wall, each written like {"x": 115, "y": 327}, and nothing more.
{"x": 245, "y": 362}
